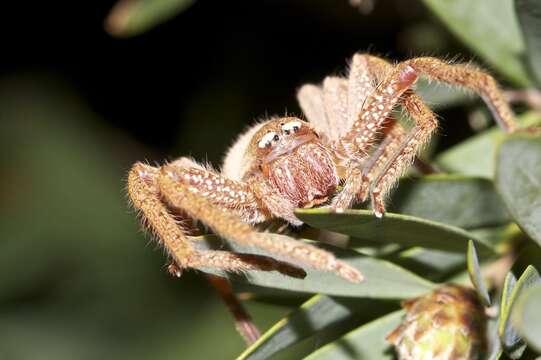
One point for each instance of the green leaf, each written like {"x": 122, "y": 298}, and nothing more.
{"x": 518, "y": 179}
{"x": 438, "y": 265}
{"x": 511, "y": 341}
{"x": 366, "y": 342}
{"x": 434, "y": 265}
{"x": 383, "y": 279}
{"x": 528, "y": 254}
{"x": 477, "y": 22}
{"x": 507, "y": 289}
{"x": 494, "y": 345}
{"x": 392, "y": 228}
{"x": 133, "y": 17}
{"x": 461, "y": 201}
{"x": 475, "y": 274}
{"x": 316, "y": 315}
{"x": 527, "y": 317}
{"x": 529, "y": 16}
{"x": 476, "y": 156}
{"x": 441, "y": 96}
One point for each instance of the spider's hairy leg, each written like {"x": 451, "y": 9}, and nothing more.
{"x": 335, "y": 97}
{"x": 357, "y": 142}
{"x": 398, "y": 149}
{"x": 144, "y": 192}
{"x": 317, "y": 258}
{"x": 368, "y": 112}
{"x": 394, "y": 137}
{"x": 243, "y": 321}
{"x": 404, "y": 149}
{"x": 471, "y": 78}
{"x": 227, "y": 224}
{"x": 361, "y": 82}
{"x": 326, "y": 107}
{"x": 145, "y": 197}
{"x": 358, "y": 179}
{"x": 333, "y": 107}
{"x": 310, "y": 98}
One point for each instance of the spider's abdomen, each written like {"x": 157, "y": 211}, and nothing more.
{"x": 306, "y": 176}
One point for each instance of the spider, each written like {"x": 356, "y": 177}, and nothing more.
{"x": 349, "y": 138}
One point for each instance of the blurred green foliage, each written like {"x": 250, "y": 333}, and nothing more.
{"x": 77, "y": 281}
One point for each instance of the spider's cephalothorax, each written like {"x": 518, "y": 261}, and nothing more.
{"x": 290, "y": 156}
{"x": 284, "y": 163}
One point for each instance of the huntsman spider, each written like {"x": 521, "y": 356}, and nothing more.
{"x": 349, "y": 138}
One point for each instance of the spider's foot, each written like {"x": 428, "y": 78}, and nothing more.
{"x": 348, "y": 272}
{"x": 174, "y": 270}
{"x": 377, "y": 204}
{"x": 363, "y": 194}
{"x": 337, "y": 209}
{"x": 530, "y": 130}
{"x": 337, "y": 206}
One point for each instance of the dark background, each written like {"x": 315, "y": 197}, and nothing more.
{"x": 78, "y": 279}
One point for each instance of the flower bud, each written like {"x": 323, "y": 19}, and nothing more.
{"x": 449, "y": 323}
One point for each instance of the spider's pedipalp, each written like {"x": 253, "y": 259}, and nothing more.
{"x": 278, "y": 205}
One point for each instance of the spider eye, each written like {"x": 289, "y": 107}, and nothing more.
{"x": 292, "y": 126}
{"x": 268, "y": 139}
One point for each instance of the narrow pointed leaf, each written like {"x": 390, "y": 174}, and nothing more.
{"x": 527, "y": 317}
{"x": 494, "y": 345}
{"x": 315, "y": 316}
{"x": 518, "y": 179}
{"x": 441, "y": 96}
{"x": 133, "y": 17}
{"x": 509, "y": 336}
{"x": 438, "y": 265}
{"x": 366, "y": 342}
{"x": 462, "y": 201}
{"x": 392, "y": 228}
{"x": 507, "y": 289}
{"x": 529, "y": 16}
{"x": 476, "y": 22}
{"x": 383, "y": 279}
{"x": 476, "y": 156}
{"x": 432, "y": 264}
{"x": 475, "y": 274}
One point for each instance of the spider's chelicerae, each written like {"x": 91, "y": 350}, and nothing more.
{"x": 286, "y": 163}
